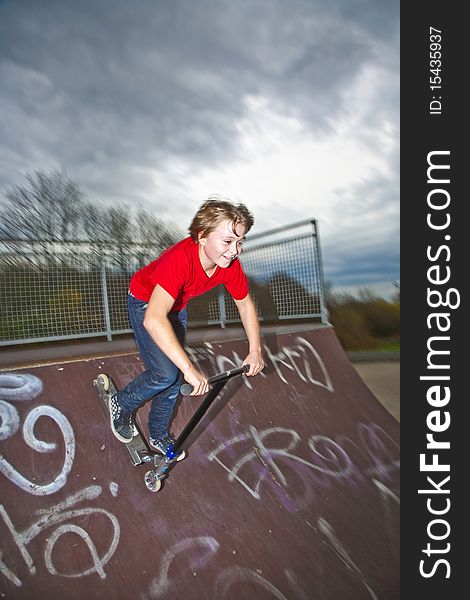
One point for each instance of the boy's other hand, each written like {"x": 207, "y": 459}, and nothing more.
{"x": 256, "y": 362}
{"x": 197, "y": 380}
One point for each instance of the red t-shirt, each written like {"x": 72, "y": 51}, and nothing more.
{"x": 178, "y": 271}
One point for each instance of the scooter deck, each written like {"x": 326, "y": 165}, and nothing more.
{"x": 137, "y": 447}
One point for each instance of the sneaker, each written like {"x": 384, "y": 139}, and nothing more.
{"x": 122, "y": 423}
{"x": 163, "y": 444}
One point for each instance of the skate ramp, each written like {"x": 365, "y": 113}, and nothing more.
{"x": 290, "y": 489}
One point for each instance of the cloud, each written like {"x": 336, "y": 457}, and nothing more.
{"x": 290, "y": 107}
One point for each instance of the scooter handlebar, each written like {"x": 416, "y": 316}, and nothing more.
{"x": 187, "y": 388}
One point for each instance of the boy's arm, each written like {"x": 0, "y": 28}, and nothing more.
{"x": 249, "y": 318}
{"x": 156, "y": 322}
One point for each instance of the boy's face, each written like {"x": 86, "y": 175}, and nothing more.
{"x": 223, "y": 244}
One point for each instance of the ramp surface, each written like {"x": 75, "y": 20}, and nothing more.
{"x": 290, "y": 489}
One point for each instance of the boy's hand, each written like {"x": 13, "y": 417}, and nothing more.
{"x": 256, "y": 362}
{"x": 197, "y": 380}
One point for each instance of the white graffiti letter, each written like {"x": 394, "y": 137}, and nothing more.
{"x": 41, "y": 446}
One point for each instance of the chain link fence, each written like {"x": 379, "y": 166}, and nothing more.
{"x": 62, "y": 291}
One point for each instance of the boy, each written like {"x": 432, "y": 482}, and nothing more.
{"x": 158, "y": 294}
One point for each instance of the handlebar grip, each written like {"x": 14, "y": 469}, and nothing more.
{"x": 186, "y": 389}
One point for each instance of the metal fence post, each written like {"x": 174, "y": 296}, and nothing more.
{"x": 323, "y": 309}
{"x": 222, "y": 312}
{"x": 104, "y": 290}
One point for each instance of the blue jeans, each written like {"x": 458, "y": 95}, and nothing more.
{"x": 162, "y": 379}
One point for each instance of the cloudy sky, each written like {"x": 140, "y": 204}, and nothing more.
{"x": 291, "y": 106}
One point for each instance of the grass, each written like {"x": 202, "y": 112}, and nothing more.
{"x": 388, "y": 347}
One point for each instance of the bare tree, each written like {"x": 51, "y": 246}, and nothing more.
{"x": 49, "y": 209}
{"x": 45, "y": 208}
{"x": 396, "y": 296}
{"x": 94, "y": 227}
{"x": 152, "y": 230}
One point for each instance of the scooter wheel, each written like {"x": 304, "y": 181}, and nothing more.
{"x": 152, "y": 483}
{"x": 103, "y": 380}
{"x": 181, "y": 456}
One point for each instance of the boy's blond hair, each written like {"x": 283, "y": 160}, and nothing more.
{"x": 216, "y": 209}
